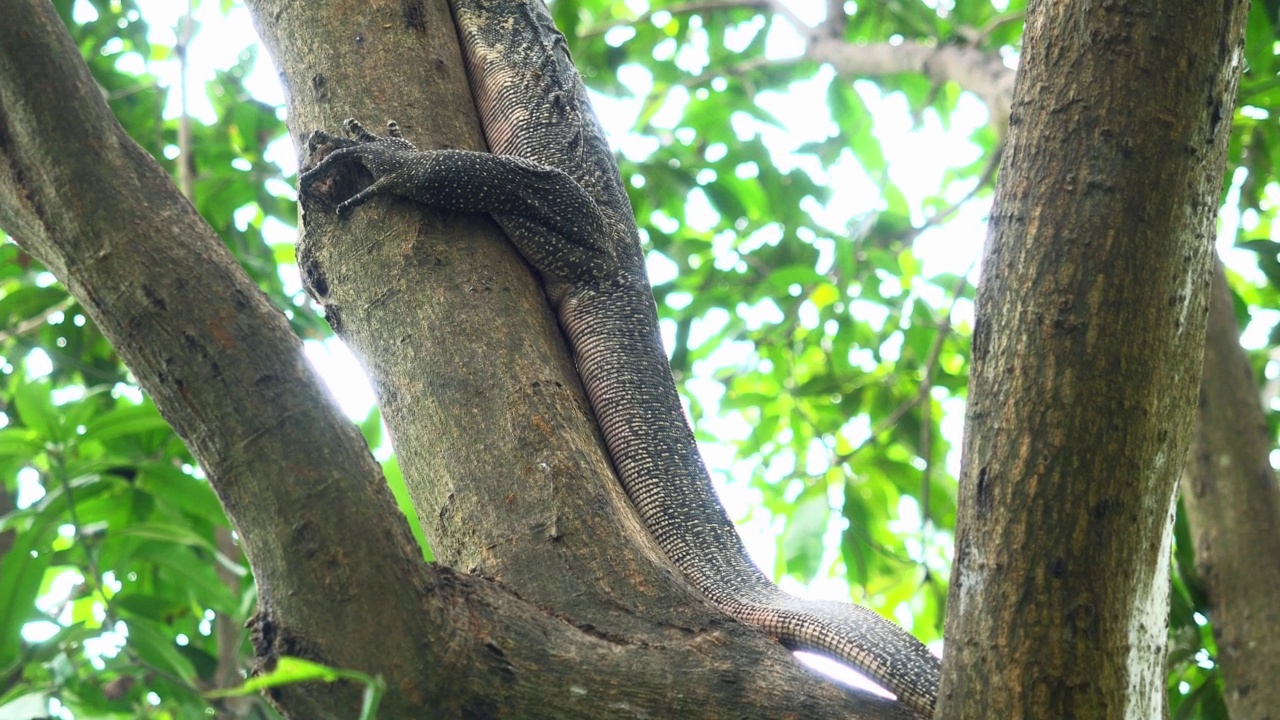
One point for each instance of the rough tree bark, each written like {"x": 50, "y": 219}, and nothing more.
{"x": 340, "y": 578}
{"x": 1233, "y": 511}
{"x": 1233, "y": 506}
{"x": 1086, "y": 358}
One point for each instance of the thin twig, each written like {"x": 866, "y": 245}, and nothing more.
{"x": 988, "y": 173}
{"x": 800, "y": 26}
{"x": 186, "y": 164}
{"x": 926, "y": 430}
{"x": 926, "y": 383}
{"x": 998, "y": 22}
{"x": 36, "y": 321}
{"x": 687, "y": 9}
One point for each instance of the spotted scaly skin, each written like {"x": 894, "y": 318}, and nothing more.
{"x": 551, "y": 183}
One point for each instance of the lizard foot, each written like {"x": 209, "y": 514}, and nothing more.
{"x": 382, "y": 156}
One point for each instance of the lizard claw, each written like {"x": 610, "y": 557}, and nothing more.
{"x": 356, "y": 130}
{"x": 378, "y": 154}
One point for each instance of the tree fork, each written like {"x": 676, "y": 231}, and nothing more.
{"x": 340, "y": 578}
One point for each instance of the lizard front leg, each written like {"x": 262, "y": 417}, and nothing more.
{"x": 551, "y": 219}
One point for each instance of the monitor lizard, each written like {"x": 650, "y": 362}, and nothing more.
{"x": 552, "y": 184}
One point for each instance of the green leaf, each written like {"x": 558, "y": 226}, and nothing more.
{"x": 21, "y": 572}
{"x": 36, "y": 409}
{"x": 802, "y": 540}
{"x": 126, "y": 420}
{"x": 371, "y": 428}
{"x": 395, "y": 480}
{"x": 155, "y": 644}
{"x": 176, "y": 489}
{"x": 290, "y": 670}
{"x": 140, "y": 604}
{"x": 166, "y": 532}
{"x": 28, "y": 302}
{"x": 21, "y": 702}
{"x": 192, "y": 573}
{"x": 19, "y": 442}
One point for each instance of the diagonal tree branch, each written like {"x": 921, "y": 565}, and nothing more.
{"x": 220, "y": 362}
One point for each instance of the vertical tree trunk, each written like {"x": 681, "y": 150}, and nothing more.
{"x": 1086, "y": 358}
{"x": 1233, "y": 506}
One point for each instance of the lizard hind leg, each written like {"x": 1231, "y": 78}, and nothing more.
{"x": 382, "y": 156}
{"x": 550, "y": 217}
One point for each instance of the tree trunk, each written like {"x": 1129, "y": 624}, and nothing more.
{"x": 597, "y": 625}
{"x": 1086, "y": 358}
{"x": 453, "y": 330}
{"x": 1233, "y": 507}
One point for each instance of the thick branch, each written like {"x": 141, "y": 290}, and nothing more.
{"x": 1086, "y": 358}
{"x": 1233, "y": 506}
{"x": 1229, "y": 464}
{"x": 980, "y": 72}
{"x": 220, "y": 362}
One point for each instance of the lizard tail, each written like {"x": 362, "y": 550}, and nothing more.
{"x": 613, "y": 330}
